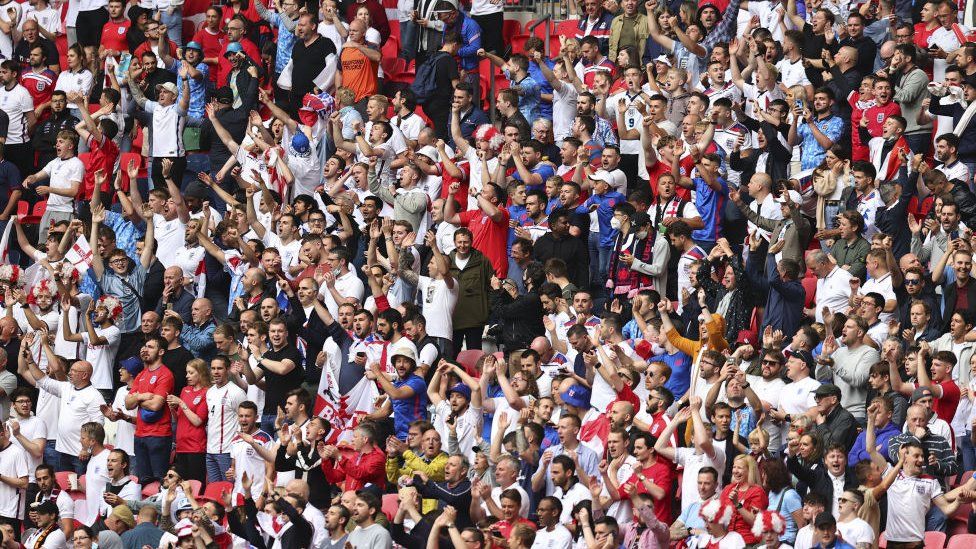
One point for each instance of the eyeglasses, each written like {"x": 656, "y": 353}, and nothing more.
{"x": 316, "y": 220}
{"x": 22, "y": 401}
{"x": 773, "y": 362}
{"x": 82, "y": 537}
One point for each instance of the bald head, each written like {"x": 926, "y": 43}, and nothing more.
{"x": 297, "y": 488}
{"x": 201, "y": 310}
{"x": 541, "y": 345}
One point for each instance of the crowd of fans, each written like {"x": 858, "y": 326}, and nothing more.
{"x": 287, "y": 276}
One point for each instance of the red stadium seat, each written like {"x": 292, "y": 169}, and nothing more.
{"x": 62, "y": 478}
{"x": 150, "y": 489}
{"x": 196, "y": 485}
{"x": 124, "y": 164}
{"x": 810, "y": 285}
{"x": 555, "y": 46}
{"x": 962, "y": 541}
{"x": 935, "y": 540}
{"x": 518, "y": 43}
{"x": 215, "y": 490}
{"x": 510, "y": 28}
{"x": 568, "y": 28}
{"x": 468, "y": 359}
{"x": 27, "y": 217}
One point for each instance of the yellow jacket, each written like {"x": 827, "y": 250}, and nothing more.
{"x": 434, "y": 469}
{"x": 716, "y": 339}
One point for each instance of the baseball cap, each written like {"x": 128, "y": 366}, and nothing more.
{"x": 824, "y": 520}
{"x": 602, "y": 175}
{"x": 194, "y": 46}
{"x": 969, "y": 81}
{"x": 133, "y": 365}
{"x": 300, "y": 143}
{"x": 46, "y": 507}
{"x": 195, "y": 189}
{"x": 234, "y": 47}
{"x": 806, "y": 357}
{"x": 794, "y": 197}
{"x": 460, "y": 389}
{"x": 224, "y": 95}
{"x": 577, "y": 396}
{"x": 921, "y": 392}
{"x": 168, "y": 86}
{"x": 827, "y": 389}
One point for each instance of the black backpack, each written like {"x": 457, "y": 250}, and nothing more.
{"x": 425, "y": 82}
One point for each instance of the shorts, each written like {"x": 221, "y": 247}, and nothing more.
{"x": 89, "y": 26}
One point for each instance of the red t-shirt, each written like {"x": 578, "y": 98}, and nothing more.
{"x": 251, "y": 13}
{"x": 504, "y": 527}
{"x": 213, "y": 45}
{"x": 877, "y": 114}
{"x": 662, "y": 475}
{"x": 655, "y": 172}
{"x": 151, "y": 46}
{"x": 753, "y": 498}
{"x": 945, "y": 406}
{"x": 40, "y": 85}
{"x": 489, "y": 237}
{"x": 102, "y": 156}
{"x": 114, "y": 35}
{"x": 191, "y": 439}
{"x": 157, "y": 382}
{"x": 462, "y": 195}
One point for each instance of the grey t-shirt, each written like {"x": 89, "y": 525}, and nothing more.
{"x": 329, "y": 544}
{"x": 108, "y": 539}
{"x": 373, "y": 537}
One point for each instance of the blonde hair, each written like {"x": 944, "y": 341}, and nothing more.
{"x": 762, "y": 435}
{"x": 203, "y": 370}
{"x": 752, "y": 474}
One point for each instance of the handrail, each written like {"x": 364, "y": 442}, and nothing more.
{"x": 548, "y": 21}
{"x": 537, "y": 22}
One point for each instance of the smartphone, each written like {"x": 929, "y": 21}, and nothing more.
{"x": 361, "y": 354}
{"x": 798, "y": 104}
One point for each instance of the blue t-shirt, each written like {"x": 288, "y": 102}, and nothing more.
{"x": 680, "y": 379}
{"x": 544, "y": 169}
{"x": 198, "y": 89}
{"x": 9, "y": 181}
{"x": 604, "y": 213}
{"x": 710, "y": 204}
{"x": 545, "y": 107}
{"x": 787, "y": 502}
{"x": 406, "y": 410}
{"x": 528, "y": 96}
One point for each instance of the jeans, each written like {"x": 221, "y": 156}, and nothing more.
{"x": 935, "y": 520}
{"x": 919, "y": 142}
{"x": 217, "y": 466}
{"x": 68, "y": 462}
{"x": 51, "y": 456}
{"x": 174, "y": 24}
{"x": 968, "y": 451}
{"x": 152, "y": 458}
{"x": 408, "y": 40}
{"x": 268, "y": 423}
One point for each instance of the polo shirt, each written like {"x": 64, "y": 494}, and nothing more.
{"x": 833, "y": 292}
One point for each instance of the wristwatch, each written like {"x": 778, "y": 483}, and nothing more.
{"x": 449, "y": 525}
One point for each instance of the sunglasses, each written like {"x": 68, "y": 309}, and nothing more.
{"x": 773, "y": 362}
{"x": 915, "y": 282}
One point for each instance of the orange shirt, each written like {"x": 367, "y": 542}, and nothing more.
{"x": 358, "y": 73}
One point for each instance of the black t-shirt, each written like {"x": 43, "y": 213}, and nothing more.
{"x": 276, "y": 386}
{"x": 176, "y": 360}
{"x": 23, "y": 48}
{"x": 445, "y": 72}
{"x": 307, "y": 62}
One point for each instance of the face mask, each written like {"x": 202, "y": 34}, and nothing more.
{"x": 642, "y": 235}
{"x": 615, "y": 224}
{"x": 657, "y": 350}
{"x": 336, "y": 272}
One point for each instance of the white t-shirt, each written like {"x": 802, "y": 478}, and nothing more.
{"x": 347, "y": 285}
{"x": 77, "y": 408}
{"x": 797, "y": 397}
{"x": 13, "y": 463}
{"x": 170, "y": 236}
{"x": 80, "y": 82}
{"x": 438, "y": 301}
{"x": 49, "y": 19}
{"x": 166, "y": 135}
{"x": 909, "y": 499}
{"x": 102, "y": 357}
{"x": 856, "y": 531}
{"x": 189, "y": 259}
{"x": 6, "y": 39}
{"x": 96, "y": 479}
{"x": 564, "y": 98}
{"x": 468, "y": 426}
{"x": 16, "y": 103}
{"x": 62, "y": 174}
{"x": 31, "y": 428}
{"x": 559, "y": 538}
{"x": 222, "y": 425}
{"x": 246, "y": 459}
{"x": 833, "y": 292}
{"x": 125, "y": 431}
{"x": 693, "y": 462}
